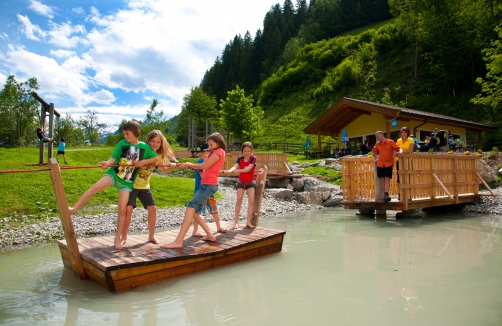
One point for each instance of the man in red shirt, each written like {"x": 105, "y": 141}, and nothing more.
{"x": 383, "y": 153}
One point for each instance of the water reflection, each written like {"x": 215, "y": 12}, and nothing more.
{"x": 333, "y": 267}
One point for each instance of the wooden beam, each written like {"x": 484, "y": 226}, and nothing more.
{"x": 360, "y": 111}
{"x": 442, "y": 185}
{"x": 261, "y": 180}
{"x": 484, "y": 183}
{"x": 64, "y": 214}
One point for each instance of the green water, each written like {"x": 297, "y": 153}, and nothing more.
{"x": 334, "y": 269}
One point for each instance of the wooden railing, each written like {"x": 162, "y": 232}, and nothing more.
{"x": 423, "y": 176}
{"x": 276, "y": 162}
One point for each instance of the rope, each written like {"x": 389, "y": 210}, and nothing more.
{"x": 74, "y": 167}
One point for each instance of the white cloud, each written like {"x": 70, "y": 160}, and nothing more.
{"x": 78, "y": 10}
{"x": 3, "y": 79}
{"x": 101, "y": 97}
{"x": 41, "y": 9}
{"x": 67, "y": 78}
{"x": 159, "y": 48}
{"x": 4, "y": 35}
{"x": 29, "y": 29}
{"x": 61, "y": 34}
{"x": 62, "y": 53}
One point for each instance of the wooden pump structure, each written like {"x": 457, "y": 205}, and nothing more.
{"x": 46, "y": 110}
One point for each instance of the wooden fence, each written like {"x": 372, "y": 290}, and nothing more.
{"x": 423, "y": 176}
{"x": 276, "y": 162}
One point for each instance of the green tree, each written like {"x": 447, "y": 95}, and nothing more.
{"x": 200, "y": 107}
{"x": 155, "y": 120}
{"x": 239, "y": 116}
{"x": 491, "y": 85}
{"x": 91, "y": 127}
{"x": 67, "y": 128}
{"x": 18, "y": 109}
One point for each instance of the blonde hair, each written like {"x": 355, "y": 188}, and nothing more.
{"x": 165, "y": 151}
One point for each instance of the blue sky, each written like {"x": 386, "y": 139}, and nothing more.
{"x": 115, "y": 56}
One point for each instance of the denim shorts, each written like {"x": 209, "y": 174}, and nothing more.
{"x": 199, "y": 200}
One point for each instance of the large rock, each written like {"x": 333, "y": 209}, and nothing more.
{"x": 333, "y": 201}
{"x": 487, "y": 173}
{"x": 309, "y": 197}
{"x": 277, "y": 183}
{"x": 297, "y": 184}
{"x": 281, "y": 193}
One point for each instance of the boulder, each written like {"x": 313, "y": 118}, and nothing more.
{"x": 486, "y": 172}
{"x": 297, "y": 184}
{"x": 277, "y": 183}
{"x": 314, "y": 198}
{"x": 333, "y": 201}
{"x": 281, "y": 193}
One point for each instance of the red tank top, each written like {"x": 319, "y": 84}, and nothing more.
{"x": 246, "y": 177}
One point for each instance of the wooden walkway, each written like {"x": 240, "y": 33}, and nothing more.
{"x": 141, "y": 262}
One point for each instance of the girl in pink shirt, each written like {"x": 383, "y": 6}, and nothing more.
{"x": 208, "y": 187}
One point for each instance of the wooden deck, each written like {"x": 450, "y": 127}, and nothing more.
{"x": 141, "y": 262}
{"x": 426, "y": 180}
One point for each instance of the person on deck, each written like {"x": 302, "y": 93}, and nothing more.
{"x": 383, "y": 153}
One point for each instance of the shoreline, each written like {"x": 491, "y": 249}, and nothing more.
{"x": 91, "y": 225}
{"x": 103, "y": 224}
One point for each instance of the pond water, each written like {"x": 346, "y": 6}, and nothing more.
{"x": 335, "y": 268}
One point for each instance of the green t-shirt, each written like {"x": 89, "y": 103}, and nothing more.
{"x": 129, "y": 154}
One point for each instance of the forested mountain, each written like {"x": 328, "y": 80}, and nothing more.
{"x": 437, "y": 56}
{"x": 247, "y": 61}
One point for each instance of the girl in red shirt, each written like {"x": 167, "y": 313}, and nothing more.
{"x": 245, "y": 167}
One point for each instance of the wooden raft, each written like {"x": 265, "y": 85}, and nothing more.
{"x": 141, "y": 262}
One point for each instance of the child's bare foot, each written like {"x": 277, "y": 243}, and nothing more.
{"x": 153, "y": 239}
{"x": 209, "y": 238}
{"x": 197, "y": 234}
{"x": 72, "y": 210}
{"x": 118, "y": 244}
{"x": 172, "y": 245}
{"x": 249, "y": 226}
{"x": 124, "y": 239}
{"x": 222, "y": 230}
{"x": 236, "y": 226}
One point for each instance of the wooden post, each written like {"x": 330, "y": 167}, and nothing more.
{"x": 261, "y": 180}
{"x": 42, "y": 144}
{"x": 379, "y": 192}
{"x": 51, "y": 130}
{"x": 64, "y": 214}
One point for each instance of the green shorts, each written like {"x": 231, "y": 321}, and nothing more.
{"x": 118, "y": 184}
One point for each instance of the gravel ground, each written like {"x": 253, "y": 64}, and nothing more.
{"x": 105, "y": 224}
{"x": 491, "y": 205}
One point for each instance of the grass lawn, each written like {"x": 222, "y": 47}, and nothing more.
{"x": 28, "y": 197}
